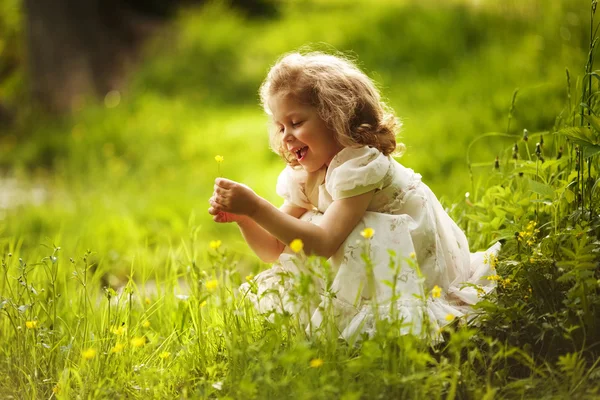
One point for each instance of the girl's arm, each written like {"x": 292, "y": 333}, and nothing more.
{"x": 324, "y": 239}
{"x": 266, "y": 246}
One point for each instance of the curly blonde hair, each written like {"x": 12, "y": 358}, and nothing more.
{"x": 346, "y": 99}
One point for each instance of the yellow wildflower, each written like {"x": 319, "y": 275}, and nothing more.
{"x": 367, "y": 233}
{"x": 316, "y": 363}
{"x": 296, "y": 245}
{"x": 118, "y": 348}
{"x": 56, "y": 389}
{"x": 147, "y": 300}
{"x": 164, "y": 355}
{"x": 146, "y": 324}
{"x": 493, "y": 261}
{"x": 118, "y": 330}
{"x": 412, "y": 255}
{"x": 436, "y": 291}
{"x": 493, "y": 278}
{"x": 138, "y": 341}
{"x": 490, "y": 259}
{"x": 215, "y": 244}
{"x": 212, "y": 284}
{"x": 88, "y": 354}
{"x": 31, "y": 324}
{"x": 450, "y": 317}
{"x": 219, "y": 159}
{"x": 203, "y": 304}
{"x": 249, "y": 277}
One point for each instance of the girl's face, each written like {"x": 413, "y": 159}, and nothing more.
{"x": 304, "y": 134}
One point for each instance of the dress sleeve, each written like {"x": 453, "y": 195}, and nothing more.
{"x": 356, "y": 171}
{"x": 291, "y": 186}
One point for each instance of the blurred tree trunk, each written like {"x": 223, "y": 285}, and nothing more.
{"x": 78, "y": 48}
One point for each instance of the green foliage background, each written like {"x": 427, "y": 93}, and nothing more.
{"x": 133, "y": 174}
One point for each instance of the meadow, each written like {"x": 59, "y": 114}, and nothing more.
{"x": 115, "y": 282}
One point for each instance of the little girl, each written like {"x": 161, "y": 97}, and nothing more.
{"x": 337, "y": 137}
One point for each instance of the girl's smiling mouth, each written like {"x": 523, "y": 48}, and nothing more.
{"x": 301, "y": 152}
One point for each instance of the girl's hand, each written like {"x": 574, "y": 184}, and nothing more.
{"x": 232, "y": 200}
{"x": 224, "y": 217}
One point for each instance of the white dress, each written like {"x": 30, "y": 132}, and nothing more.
{"x": 406, "y": 218}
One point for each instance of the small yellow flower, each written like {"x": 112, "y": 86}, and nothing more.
{"x": 316, "y": 363}
{"x": 436, "y": 291}
{"x": 450, "y": 317}
{"x": 118, "y": 348}
{"x": 219, "y": 159}
{"x": 480, "y": 291}
{"x": 412, "y": 255}
{"x": 138, "y": 341}
{"x": 249, "y": 277}
{"x": 367, "y": 233}
{"x": 147, "y": 300}
{"x": 118, "y": 330}
{"x": 490, "y": 259}
{"x": 31, "y": 324}
{"x": 203, "y": 304}
{"x": 212, "y": 284}
{"x": 146, "y": 324}
{"x": 296, "y": 245}
{"x": 56, "y": 389}
{"x": 215, "y": 244}
{"x": 88, "y": 354}
{"x": 493, "y": 278}
{"x": 164, "y": 355}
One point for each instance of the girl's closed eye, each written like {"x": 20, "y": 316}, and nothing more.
{"x": 297, "y": 124}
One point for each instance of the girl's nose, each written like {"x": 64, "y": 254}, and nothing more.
{"x": 287, "y": 137}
